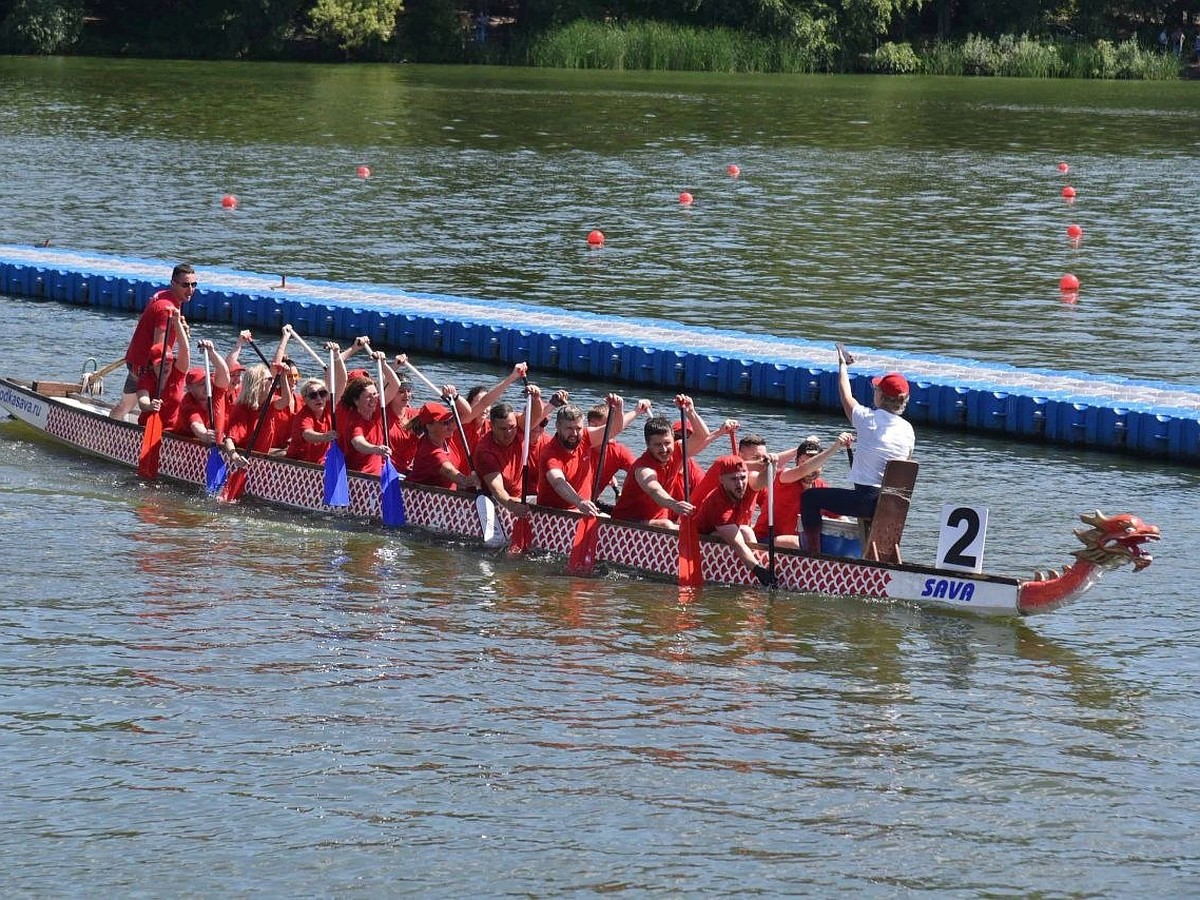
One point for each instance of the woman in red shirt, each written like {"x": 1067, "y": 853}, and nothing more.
{"x": 312, "y": 429}
{"x": 440, "y": 459}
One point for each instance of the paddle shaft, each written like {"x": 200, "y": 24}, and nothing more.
{"x": 262, "y": 413}
{"x": 313, "y": 353}
{"x": 687, "y": 480}
{"x": 212, "y": 420}
{"x": 462, "y": 432}
{"x": 429, "y": 384}
{"x": 528, "y": 434}
{"x": 771, "y": 516}
{"x": 596, "y": 485}
{"x": 162, "y": 366}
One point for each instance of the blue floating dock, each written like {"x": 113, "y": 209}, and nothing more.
{"x": 1141, "y": 418}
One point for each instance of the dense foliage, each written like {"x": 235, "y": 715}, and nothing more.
{"x": 1042, "y": 38}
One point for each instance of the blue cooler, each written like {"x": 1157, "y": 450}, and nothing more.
{"x": 839, "y": 537}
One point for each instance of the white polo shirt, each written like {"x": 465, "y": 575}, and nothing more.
{"x": 881, "y": 436}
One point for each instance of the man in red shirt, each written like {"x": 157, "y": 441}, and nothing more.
{"x": 151, "y": 329}
{"x": 726, "y": 511}
{"x": 653, "y": 492}
{"x": 498, "y": 453}
{"x": 565, "y": 467}
{"x": 618, "y": 457}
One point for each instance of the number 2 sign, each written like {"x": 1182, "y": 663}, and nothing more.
{"x": 960, "y": 543}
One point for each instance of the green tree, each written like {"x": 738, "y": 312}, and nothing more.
{"x": 355, "y": 24}
{"x": 42, "y": 26}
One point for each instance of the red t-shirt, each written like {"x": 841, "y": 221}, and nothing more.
{"x": 403, "y": 441}
{"x": 635, "y": 504}
{"x": 242, "y": 422}
{"x": 349, "y": 424}
{"x": 194, "y": 410}
{"x": 298, "y": 447}
{"x": 490, "y": 458}
{"x": 787, "y": 507}
{"x": 576, "y": 466}
{"x": 617, "y": 458}
{"x": 174, "y": 386}
{"x": 153, "y": 318}
{"x": 429, "y": 459}
{"x": 717, "y": 510}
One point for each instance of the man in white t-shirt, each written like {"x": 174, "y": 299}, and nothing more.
{"x": 881, "y": 435}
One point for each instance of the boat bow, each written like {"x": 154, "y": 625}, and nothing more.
{"x": 1109, "y": 543}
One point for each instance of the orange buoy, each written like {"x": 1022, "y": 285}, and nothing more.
{"x": 1074, "y": 232}
{"x": 733, "y": 170}
{"x": 595, "y": 238}
{"x": 1068, "y": 284}
{"x": 363, "y": 172}
{"x": 685, "y": 198}
{"x": 1068, "y": 192}
{"x": 229, "y": 201}
{"x": 1064, "y": 168}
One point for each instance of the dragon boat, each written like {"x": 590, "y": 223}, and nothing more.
{"x": 70, "y": 416}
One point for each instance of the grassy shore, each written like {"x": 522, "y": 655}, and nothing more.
{"x": 662, "y": 46}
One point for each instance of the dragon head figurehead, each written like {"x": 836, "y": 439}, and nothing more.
{"x": 1112, "y": 541}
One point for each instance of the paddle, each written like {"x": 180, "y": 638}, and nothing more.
{"x": 151, "y": 449}
{"x": 254, "y": 347}
{"x": 311, "y": 352}
{"x": 483, "y": 503}
{"x": 771, "y": 520}
{"x": 391, "y": 498}
{"x": 522, "y": 527}
{"x": 337, "y": 484}
{"x": 235, "y": 484}
{"x": 215, "y": 470}
{"x": 587, "y": 531}
{"x": 845, "y": 355}
{"x": 690, "y": 573}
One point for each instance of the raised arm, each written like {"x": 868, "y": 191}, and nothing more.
{"x": 484, "y": 402}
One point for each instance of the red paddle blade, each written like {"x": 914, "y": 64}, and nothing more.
{"x": 690, "y": 574}
{"x": 148, "y": 456}
{"x": 522, "y": 536}
{"x": 583, "y": 549}
{"x": 235, "y": 485}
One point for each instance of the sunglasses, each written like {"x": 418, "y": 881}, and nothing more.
{"x": 318, "y": 395}
{"x": 188, "y": 284}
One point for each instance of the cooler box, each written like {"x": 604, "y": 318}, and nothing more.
{"x": 839, "y": 537}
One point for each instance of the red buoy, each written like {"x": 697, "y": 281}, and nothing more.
{"x": 1068, "y": 192}
{"x": 229, "y": 201}
{"x": 595, "y": 238}
{"x": 1068, "y": 284}
{"x": 685, "y": 198}
{"x": 733, "y": 170}
{"x": 363, "y": 172}
{"x": 1064, "y": 168}
{"x": 1074, "y": 232}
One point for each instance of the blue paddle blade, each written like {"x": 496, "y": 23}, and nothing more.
{"x": 337, "y": 488}
{"x": 391, "y": 500}
{"x": 215, "y": 471}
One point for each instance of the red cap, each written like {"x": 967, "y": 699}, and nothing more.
{"x": 156, "y": 353}
{"x": 195, "y": 376}
{"x": 358, "y": 373}
{"x": 727, "y": 465}
{"x": 236, "y": 367}
{"x": 434, "y": 412}
{"x": 891, "y": 385}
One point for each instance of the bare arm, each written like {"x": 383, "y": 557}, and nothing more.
{"x": 484, "y": 402}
